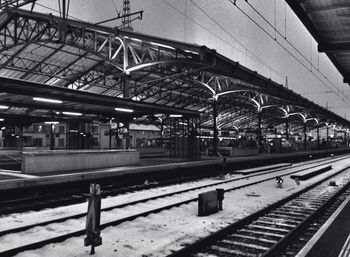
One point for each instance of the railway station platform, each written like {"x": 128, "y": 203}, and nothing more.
{"x": 333, "y": 239}
{"x": 151, "y": 168}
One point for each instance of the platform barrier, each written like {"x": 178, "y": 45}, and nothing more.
{"x": 234, "y": 152}
{"x": 309, "y": 174}
{"x": 55, "y": 161}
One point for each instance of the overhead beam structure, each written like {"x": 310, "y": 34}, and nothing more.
{"x": 94, "y": 67}
{"x": 328, "y": 24}
{"x": 334, "y": 47}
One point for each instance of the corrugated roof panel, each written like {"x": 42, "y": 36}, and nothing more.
{"x": 94, "y": 89}
{"x": 111, "y": 92}
{"x": 37, "y": 78}
{"x": 37, "y": 51}
{"x": 11, "y": 73}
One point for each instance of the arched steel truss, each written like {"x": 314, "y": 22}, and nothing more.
{"x": 72, "y": 54}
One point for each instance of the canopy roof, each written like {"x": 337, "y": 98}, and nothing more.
{"x": 328, "y": 22}
{"x": 94, "y": 68}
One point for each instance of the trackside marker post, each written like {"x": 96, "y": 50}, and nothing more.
{"x": 93, "y": 217}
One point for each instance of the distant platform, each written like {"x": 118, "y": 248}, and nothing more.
{"x": 155, "y": 166}
{"x": 66, "y": 160}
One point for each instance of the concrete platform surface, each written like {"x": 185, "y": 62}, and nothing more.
{"x": 162, "y": 164}
{"x": 333, "y": 238}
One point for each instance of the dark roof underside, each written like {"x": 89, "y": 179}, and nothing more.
{"x": 329, "y": 23}
{"x": 94, "y": 68}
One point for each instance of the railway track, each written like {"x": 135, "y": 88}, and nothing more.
{"x": 295, "y": 245}
{"x": 274, "y": 230}
{"x": 170, "y": 202}
{"x": 39, "y": 202}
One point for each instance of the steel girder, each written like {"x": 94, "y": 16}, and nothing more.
{"x": 6, "y": 4}
{"x": 159, "y": 71}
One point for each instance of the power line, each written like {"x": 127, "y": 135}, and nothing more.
{"x": 292, "y": 45}
{"x": 200, "y": 25}
{"x": 241, "y": 44}
{"x": 54, "y": 10}
{"x": 206, "y": 29}
{"x": 289, "y": 52}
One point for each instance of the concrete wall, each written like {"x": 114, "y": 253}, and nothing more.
{"x": 234, "y": 152}
{"x": 55, "y": 161}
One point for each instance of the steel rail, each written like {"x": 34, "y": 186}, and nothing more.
{"x": 61, "y": 238}
{"x": 205, "y": 242}
{"x": 46, "y": 200}
{"x": 76, "y": 216}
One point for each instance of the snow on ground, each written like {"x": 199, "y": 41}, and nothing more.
{"x": 158, "y": 234}
{"x": 28, "y": 218}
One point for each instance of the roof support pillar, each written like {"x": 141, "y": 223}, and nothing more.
{"x": 126, "y": 88}
{"x": 259, "y": 134}
{"x": 52, "y": 137}
{"x": 215, "y": 128}
{"x": 305, "y": 141}
{"x": 327, "y": 134}
{"x": 21, "y": 138}
{"x": 318, "y": 137}
{"x": 110, "y": 134}
{"x": 287, "y": 128}
{"x": 126, "y": 141}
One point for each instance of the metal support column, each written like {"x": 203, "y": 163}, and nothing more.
{"x": 305, "y": 142}
{"x": 183, "y": 137}
{"x": 126, "y": 95}
{"x": 176, "y": 140}
{"x": 345, "y": 139}
{"x": 170, "y": 137}
{"x": 259, "y": 133}
{"x": 327, "y": 134}
{"x": 21, "y": 138}
{"x": 215, "y": 128}
{"x": 110, "y": 134}
{"x": 52, "y": 137}
{"x": 161, "y": 133}
{"x": 126, "y": 89}
{"x": 67, "y": 135}
{"x": 318, "y": 137}
{"x": 287, "y": 128}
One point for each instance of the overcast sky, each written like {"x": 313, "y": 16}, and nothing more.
{"x": 223, "y": 26}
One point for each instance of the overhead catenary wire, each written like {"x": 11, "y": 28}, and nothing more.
{"x": 291, "y": 44}
{"x": 209, "y": 31}
{"x": 54, "y": 10}
{"x": 293, "y": 82}
{"x": 246, "y": 50}
{"x": 226, "y": 41}
{"x": 337, "y": 92}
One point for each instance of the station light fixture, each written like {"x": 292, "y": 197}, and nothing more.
{"x": 1, "y": 119}
{"x": 51, "y": 122}
{"x": 4, "y": 107}
{"x": 72, "y": 113}
{"x": 279, "y": 182}
{"x": 123, "y": 110}
{"x": 162, "y": 45}
{"x": 47, "y": 100}
{"x": 175, "y": 115}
